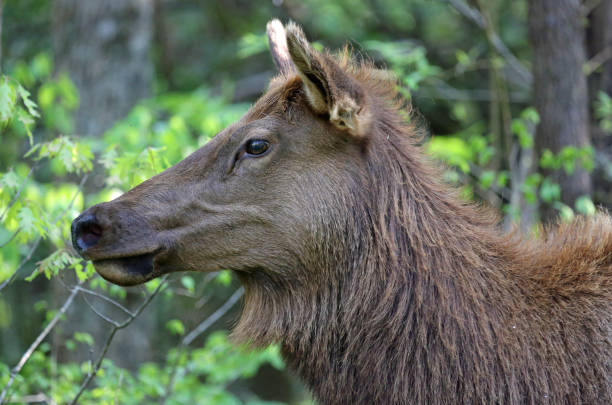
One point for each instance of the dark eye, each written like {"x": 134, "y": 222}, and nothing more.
{"x": 257, "y": 146}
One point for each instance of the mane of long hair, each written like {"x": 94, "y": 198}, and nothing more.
{"x": 422, "y": 299}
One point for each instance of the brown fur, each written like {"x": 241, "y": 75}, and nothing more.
{"x": 381, "y": 285}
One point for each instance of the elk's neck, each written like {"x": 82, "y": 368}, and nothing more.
{"x": 414, "y": 297}
{"x": 409, "y": 328}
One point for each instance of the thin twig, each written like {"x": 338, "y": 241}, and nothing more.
{"x": 440, "y": 89}
{"x": 37, "y": 342}
{"x": 596, "y": 61}
{"x": 588, "y": 6}
{"x": 101, "y": 315}
{"x": 117, "y": 390}
{"x": 173, "y": 374}
{"x": 9, "y": 240}
{"x": 107, "y": 299}
{"x": 526, "y": 78}
{"x": 22, "y": 263}
{"x": 29, "y": 399}
{"x": 205, "y": 298}
{"x": 191, "y": 336}
{"x": 109, "y": 339}
{"x": 201, "y": 328}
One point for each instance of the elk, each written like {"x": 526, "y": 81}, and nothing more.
{"x": 381, "y": 285}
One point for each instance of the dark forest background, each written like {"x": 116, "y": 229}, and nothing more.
{"x": 98, "y": 95}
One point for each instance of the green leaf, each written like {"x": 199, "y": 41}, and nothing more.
{"x": 10, "y": 180}
{"x": 452, "y": 150}
{"x": 27, "y": 121}
{"x": 25, "y": 97}
{"x": 584, "y": 205}
{"x": 502, "y": 178}
{"x": 548, "y": 160}
{"x": 7, "y": 99}
{"x": 70, "y": 345}
{"x": 52, "y": 264}
{"x": 83, "y": 337}
{"x": 533, "y": 179}
{"x": 462, "y": 58}
{"x": 83, "y": 272}
{"x": 530, "y": 114}
{"x": 188, "y": 283}
{"x": 565, "y": 213}
{"x": 486, "y": 179}
{"x": 42, "y": 65}
{"x": 550, "y": 191}
{"x": 27, "y": 220}
{"x": 252, "y": 44}
{"x": 175, "y": 326}
{"x": 46, "y": 95}
{"x": 224, "y": 278}
{"x": 568, "y": 157}
{"x": 520, "y": 130}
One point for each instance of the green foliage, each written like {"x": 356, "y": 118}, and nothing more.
{"x": 469, "y": 153}
{"x": 522, "y": 127}
{"x": 201, "y": 374}
{"x": 453, "y": 150}
{"x": 585, "y": 206}
{"x": 603, "y": 112}
{"x": 407, "y": 61}
{"x": 11, "y": 92}
{"x": 153, "y": 136}
{"x": 568, "y": 159}
{"x": 252, "y": 44}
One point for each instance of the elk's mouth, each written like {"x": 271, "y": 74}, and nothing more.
{"x": 129, "y": 270}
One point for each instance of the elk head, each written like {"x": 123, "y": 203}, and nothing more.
{"x": 260, "y": 196}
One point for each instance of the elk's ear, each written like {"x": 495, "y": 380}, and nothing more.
{"x": 329, "y": 90}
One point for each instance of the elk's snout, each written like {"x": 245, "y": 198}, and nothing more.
{"x": 121, "y": 244}
{"x": 86, "y": 232}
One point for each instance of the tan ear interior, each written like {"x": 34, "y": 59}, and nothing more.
{"x": 277, "y": 39}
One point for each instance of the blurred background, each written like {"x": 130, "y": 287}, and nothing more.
{"x": 99, "y": 95}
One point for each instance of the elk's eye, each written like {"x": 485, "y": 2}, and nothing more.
{"x": 257, "y": 146}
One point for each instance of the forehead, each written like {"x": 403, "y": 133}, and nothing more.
{"x": 280, "y": 98}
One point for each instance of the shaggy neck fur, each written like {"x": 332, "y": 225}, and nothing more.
{"x": 411, "y": 296}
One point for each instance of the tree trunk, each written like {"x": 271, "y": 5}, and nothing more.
{"x": 600, "y": 80}
{"x": 557, "y": 37}
{"x": 104, "y": 45}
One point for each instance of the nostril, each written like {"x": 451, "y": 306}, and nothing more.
{"x": 90, "y": 233}
{"x": 86, "y": 232}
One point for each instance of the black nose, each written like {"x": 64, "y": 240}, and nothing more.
{"x": 86, "y": 232}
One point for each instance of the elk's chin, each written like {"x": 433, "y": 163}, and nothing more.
{"x": 127, "y": 271}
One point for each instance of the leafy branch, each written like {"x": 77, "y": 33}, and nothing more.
{"x": 116, "y": 327}
{"x": 197, "y": 331}
{"x": 39, "y": 239}
{"x": 15, "y": 371}
{"x": 524, "y": 75}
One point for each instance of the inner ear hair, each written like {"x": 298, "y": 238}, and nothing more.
{"x": 277, "y": 39}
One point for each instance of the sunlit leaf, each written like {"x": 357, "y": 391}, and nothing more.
{"x": 584, "y": 205}
{"x": 175, "y": 326}
{"x": 7, "y": 99}
{"x": 25, "y": 97}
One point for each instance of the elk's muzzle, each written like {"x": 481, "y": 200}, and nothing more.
{"x": 119, "y": 242}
